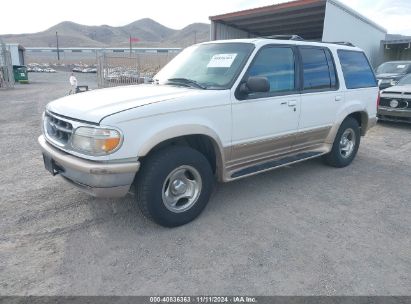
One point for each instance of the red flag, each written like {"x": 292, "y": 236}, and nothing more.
{"x": 134, "y": 39}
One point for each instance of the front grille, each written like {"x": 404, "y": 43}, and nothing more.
{"x": 57, "y": 129}
{"x": 402, "y": 102}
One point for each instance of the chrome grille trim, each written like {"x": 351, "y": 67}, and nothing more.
{"x": 403, "y": 103}
{"x": 75, "y": 124}
{"x": 57, "y": 130}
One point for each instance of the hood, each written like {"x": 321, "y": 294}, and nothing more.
{"x": 389, "y": 76}
{"x": 93, "y": 106}
{"x": 398, "y": 89}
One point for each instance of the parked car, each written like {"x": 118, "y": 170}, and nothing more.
{"x": 389, "y": 73}
{"x": 77, "y": 69}
{"x": 395, "y": 103}
{"x": 218, "y": 111}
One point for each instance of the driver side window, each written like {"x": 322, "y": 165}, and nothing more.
{"x": 277, "y": 64}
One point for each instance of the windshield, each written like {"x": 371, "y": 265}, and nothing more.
{"x": 405, "y": 80}
{"x": 393, "y": 68}
{"x": 206, "y": 66}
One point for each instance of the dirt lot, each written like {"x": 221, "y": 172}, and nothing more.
{"x": 307, "y": 229}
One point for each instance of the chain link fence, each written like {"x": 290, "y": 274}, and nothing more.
{"x": 127, "y": 69}
{"x": 6, "y": 68}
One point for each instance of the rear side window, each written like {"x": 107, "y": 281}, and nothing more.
{"x": 356, "y": 69}
{"x": 318, "y": 69}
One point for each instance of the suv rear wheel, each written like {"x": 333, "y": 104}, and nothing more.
{"x": 174, "y": 185}
{"x": 346, "y": 144}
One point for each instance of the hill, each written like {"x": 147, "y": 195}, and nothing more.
{"x": 150, "y": 33}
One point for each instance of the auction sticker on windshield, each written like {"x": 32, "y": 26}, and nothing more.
{"x": 221, "y": 61}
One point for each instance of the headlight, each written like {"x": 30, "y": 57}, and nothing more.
{"x": 393, "y": 82}
{"x": 96, "y": 141}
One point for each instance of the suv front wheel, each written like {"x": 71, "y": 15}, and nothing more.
{"x": 174, "y": 185}
{"x": 346, "y": 144}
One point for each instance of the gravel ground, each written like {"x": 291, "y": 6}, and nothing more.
{"x": 306, "y": 229}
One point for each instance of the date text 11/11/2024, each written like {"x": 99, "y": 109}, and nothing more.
{"x": 203, "y": 299}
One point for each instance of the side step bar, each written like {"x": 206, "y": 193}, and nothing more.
{"x": 275, "y": 163}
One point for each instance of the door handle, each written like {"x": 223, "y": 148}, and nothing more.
{"x": 338, "y": 98}
{"x": 292, "y": 103}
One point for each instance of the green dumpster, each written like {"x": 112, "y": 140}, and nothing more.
{"x": 20, "y": 74}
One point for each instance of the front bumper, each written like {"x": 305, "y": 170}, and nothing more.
{"x": 95, "y": 178}
{"x": 391, "y": 114}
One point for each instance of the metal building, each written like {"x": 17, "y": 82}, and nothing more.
{"x": 324, "y": 20}
{"x": 17, "y": 52}
{"x": 397, "y": 47}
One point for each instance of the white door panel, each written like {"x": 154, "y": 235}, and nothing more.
{"x": 321, "y": 98}
{"x": 259, "y": 119}
{"x": 319, "y": 109}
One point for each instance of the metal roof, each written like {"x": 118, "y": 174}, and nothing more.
{"x": 402, "y": 41}
{"x": 396, "y": 39}
{"x": 302, "y": 17}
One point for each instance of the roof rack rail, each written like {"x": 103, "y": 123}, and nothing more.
{"x": 346, "y": 43}
{"x": 284, "y": 37}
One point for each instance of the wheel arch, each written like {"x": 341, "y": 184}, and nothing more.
{"x": 201, "y": 138}
{"x": 359, "y": 114}
{"x": 362, "y": 118}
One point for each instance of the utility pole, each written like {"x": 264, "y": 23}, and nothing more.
{"x": 195, "y": 37}
{"x": 58, "y": 51}
{"x": 130, "y": 44}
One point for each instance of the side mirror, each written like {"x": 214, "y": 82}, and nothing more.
{"x": 255, "y": 84}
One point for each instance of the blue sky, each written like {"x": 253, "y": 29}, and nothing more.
{"x": 38, "y": 15}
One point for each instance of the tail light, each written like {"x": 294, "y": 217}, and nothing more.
{"x": 378, "y": 99}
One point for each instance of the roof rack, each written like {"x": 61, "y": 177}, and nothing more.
{"x": 346, "y": 43}
{"x": 284, "y": 37}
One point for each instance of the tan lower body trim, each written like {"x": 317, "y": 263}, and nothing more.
{"x": 251, "y": 154}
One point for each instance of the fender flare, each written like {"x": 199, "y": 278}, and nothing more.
{"x": 185, "y": 130}
{"x": 343, "y": 114}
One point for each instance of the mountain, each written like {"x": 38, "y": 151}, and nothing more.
{"x": 150, "y": 33}
{"x": 191, "y": 34}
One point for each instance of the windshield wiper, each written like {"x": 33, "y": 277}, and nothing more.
{"x": 187, "y": 81}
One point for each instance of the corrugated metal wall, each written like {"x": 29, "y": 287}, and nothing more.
{"x": 220, "y": 31}
{"x": 6, "y": 67}
{"x": 396, "y": 52}
{"x": 342, "y": 25}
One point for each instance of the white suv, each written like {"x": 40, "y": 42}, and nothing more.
{"x": 221, "y": 111}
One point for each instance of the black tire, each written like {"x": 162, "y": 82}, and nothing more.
{"x": 336, "y": 157}
{"x": 151, "y": 181}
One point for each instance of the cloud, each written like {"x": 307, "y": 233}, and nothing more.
{"x": 394, "y": 15}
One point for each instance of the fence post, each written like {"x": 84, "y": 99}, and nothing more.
{"x": 6, "y": 68}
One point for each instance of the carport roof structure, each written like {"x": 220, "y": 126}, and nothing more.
{"x": 302, "y": 17}
{"x": 397, "y": 40}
